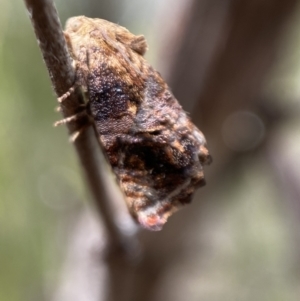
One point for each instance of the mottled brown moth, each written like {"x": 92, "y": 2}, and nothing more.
{"x": 154, "y": 149}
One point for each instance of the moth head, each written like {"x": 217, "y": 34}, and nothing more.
{"x": 82, "y": 26}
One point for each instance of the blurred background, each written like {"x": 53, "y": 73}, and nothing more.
{"x": 235, "y": 66}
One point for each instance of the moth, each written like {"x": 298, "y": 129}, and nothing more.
{"x": 155, "y": 151}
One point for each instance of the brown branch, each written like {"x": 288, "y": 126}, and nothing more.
{"x": 109, "y": 200}
{"x": 51, "y": 40}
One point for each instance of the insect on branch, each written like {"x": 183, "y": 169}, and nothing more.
{"x": 50, "y": 37}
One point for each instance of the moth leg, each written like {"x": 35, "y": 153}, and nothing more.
{"x": 77, "y": 117}
{"x": 81, "y": 115}
{"x": 76, "y": 84}
{"x": 58, "y": 109}
{"x": 73, "y": 137}
{"x": 62, "y": 98}
{"x": 72, "y": 118}
{"x": 82, "y": 106}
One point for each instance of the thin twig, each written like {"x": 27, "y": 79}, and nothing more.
{"x": 51, "y": 40}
